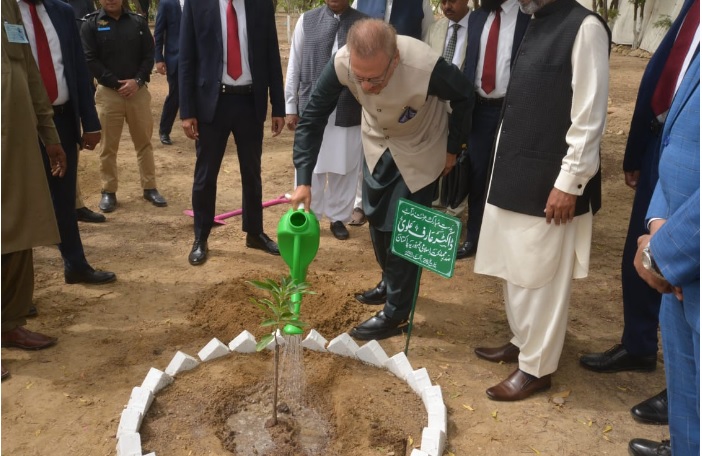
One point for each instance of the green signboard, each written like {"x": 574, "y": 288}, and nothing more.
{"x": 426, "y": 237}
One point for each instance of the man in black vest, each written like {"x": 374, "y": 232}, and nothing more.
{"x": 495, "y": 31}
{"x": 545, "y": 186}
{"x": 318, "y": 34}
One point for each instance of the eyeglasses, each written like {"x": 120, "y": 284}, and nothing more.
{"x": 372, "y": 81}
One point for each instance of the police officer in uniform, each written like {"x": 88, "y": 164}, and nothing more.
{"x": 119, "y": 49}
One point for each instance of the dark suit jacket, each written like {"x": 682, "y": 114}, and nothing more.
{"x": 75, "y": 68}
{"x": 476, "y": 21}
{"x": 167, "y": 34}
{"x": 81, "y": 7}
{"x": 200, "y": 66}
{"x": 640, "y": 134}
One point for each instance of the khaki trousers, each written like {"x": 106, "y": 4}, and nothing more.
{"x": 17, "y": 288}
{"x": 113, "y": 110}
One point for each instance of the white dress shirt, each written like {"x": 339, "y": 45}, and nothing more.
{"x": 245, "y": 78}
{"x": 508, "y": 23}
{"x": 54, "y": 45}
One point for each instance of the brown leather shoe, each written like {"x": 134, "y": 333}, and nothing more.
{"x": 519, "y": 385}
{"x": 25, "y": 339}
{"x": 508, "y": 353}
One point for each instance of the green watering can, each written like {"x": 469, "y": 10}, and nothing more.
{"x": 298, "y": 242}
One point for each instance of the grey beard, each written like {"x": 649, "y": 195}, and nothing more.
{"x": 530, "y": 8}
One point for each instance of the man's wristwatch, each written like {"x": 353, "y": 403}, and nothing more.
{"x": 139, "y": 81}
{"x": 648, "y": 262}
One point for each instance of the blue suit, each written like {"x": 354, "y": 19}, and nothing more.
{"x": 486, "y": 118}
{"x": 166, "y": 37}
{"x": 407, "y": 19}
{"x": 78, "y": 111}
{"x": 641, "y": 302}
{"x": 675, "y": 248}
{"x": 221, "y": 114}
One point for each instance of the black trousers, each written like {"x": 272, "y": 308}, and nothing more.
{"x": 235, "y": 114}
{"x": 482, "y": 137}
{"x": 63, "y": 194}
{"x": 381, "y": 191}
{"x": 641, "y": 302}
{"x": 170, "y": 105}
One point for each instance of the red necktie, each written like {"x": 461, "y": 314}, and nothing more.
{"x": 233, "y": 50}
{"x": 490, "y": 63}
{"x": 46, "y": 64}
{"x": 665, "y": 88}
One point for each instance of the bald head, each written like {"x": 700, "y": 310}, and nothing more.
{"x": 370, "y": 36}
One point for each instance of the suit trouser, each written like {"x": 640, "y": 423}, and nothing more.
{"x": 680, "y": 330}
{"x": 63, "y": 194}
{"x": 234, "y": 114}
{"x": 17, "y": 288}
{"x": 381, "y": 191}
{"x": 113, "y": 110}
{"x": 482, "y": 137}
{"x": 170, "y": 105}
{"x": 641, "y": 302}
{"x": 79, "y": 197}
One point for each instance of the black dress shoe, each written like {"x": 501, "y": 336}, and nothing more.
{"x": 374, "y": 296}
{"x": 467, "y": 250}
{"x": 154, "y": 197}
{"x": 198, "y": 254}
{"x": 378, "y": 327}
{"x": 617, "y": 359}
{"x": 90, "y": 276}
{"x": 262, "y": 242}
{"x": 108, "y": 202}
{"x": 339, "y": 230}
{"x": 643, "y": 447}
{"x": 165, "y": 139}
{"x": 653, "y": 410}
{"x": 84, "y": 214}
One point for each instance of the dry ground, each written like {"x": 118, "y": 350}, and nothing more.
{"x": 67, "y": 400}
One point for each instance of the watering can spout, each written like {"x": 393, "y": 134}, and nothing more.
{"x": 298, "y": 242}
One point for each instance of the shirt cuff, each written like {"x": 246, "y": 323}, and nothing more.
{"x": 291, "y": 108}
{"x": 570, "y": 183}
{"x": 304, "y": 176}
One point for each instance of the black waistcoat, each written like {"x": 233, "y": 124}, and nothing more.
{"x": 536, "y": 115}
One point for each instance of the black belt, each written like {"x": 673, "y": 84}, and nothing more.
{"x": 62, "y": 109}
{"x": 655, "y": 126}
{"x": 238, "y": 90}
{"x": 489, "y": 101}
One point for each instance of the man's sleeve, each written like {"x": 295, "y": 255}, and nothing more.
{"x": 159, "y": 29}
{"x": 448, "y": 83}
{"x": 275, "y": 76}
{"x": 84, "y": 81}
{"x": 292, "y": 78}
{"x": 310, "y": 129}
{"x": 147, "y": 52}
{"x": 590, "y": 62}
{"x": 428, "y": 18}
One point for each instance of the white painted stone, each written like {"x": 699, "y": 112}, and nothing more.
{"x": 400, "y": 366}
{"x": 156, "y": 380}
{"x": 372, "y": 353}
{"x": 213, "y": 350}
{"x": 181, "y": 362}
{"x": 314, "y": 341}
{"x": 243, "y": 343}
{"x": 129, "y": 422}
{"x": 129, "y": 445}
{"x": 279, "y": 338}
{"x": 415, "y": 452}
{"x": 437, "y": 416}
{"x": 419, "y": 380}
{"x": 431, "y": 395}
{"x": 433, "y": 441}
{"x": 140, "y": 399}
{"x": 150, "y": 454}
{"x": 343, "y": 345}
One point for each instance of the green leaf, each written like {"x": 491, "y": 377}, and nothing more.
{"x": 263, "y": 343}
{"x": 269, "y": 322}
